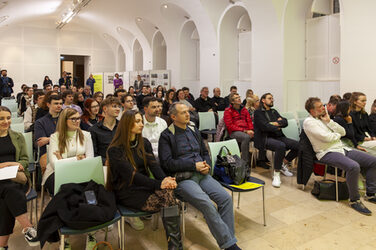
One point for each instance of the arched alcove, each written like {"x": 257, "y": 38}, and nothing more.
{"x": 235, "y": 42}
{"x": 189, "y": 53}
{"x": 121, "y": 59}
{"x": 138, "y": 57}
{"x": 159, "y": 52}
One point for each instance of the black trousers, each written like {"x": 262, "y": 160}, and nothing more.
{"x": 50, "y": 184}
{"x": 12, "y": 204}
{"x": 279, "y": 146}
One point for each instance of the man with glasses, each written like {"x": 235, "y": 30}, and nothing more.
{"x": 239, "y": 124}
{"x": 269, "y": 136}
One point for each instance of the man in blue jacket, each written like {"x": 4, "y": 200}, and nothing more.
{"x": 7, "y": 84}
{"x": 183, "y": 154}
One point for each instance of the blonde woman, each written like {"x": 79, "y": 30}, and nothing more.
{"x": 253, "y": 102}
{"x": 249, "y": 93}
{"x": 68, "y": 143}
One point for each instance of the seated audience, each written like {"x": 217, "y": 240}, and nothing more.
{"x": 372, "y": 118}
{"x": 119, "y": 93}
{"x": 26, "y": 100}
{"x": 252, "y": 104}
{"x": 87, "y": 92}
{"x": 219, "y": 102}
{"x": 360, "y": 120}
{"x": 47, "y": 88}
{"x": 160, "y": 95}
{"x": 31, "y": 112}
{"x": 346, "y": 96}
{"x": 160, "y": 88}
{"x": 132, "y": 92}
{"x": 331, "y": 105}
{"x": 63, "y": 88}
{"x": 13, "y": 206}
{"x": 325, "y": 137}
{"x": 249, "y": 93}
{"x": 144, "y": 93}
{"x": 103, "y": 131}
{"x": 131, "y": 161}
{"x": 183, "y": 154}
{"x": 239, "y": 125}
{"x": 68, "y": 101}
{"x": 91, "y": 114}
{"x": 35, "y": 87}
{"x": 20, "y": 94}
{"x": 153, "y": 125}
{"x": 233, "y": 90}
{"x": 56, "y": 88}
{"x": 204, "y": 102}
{"x": 269, "y": 136}
{"x": 188, "y": 96}
{"x": 169, "y": 99}
{"x": 46, "y": 126}
{"x": 43, "y": 109}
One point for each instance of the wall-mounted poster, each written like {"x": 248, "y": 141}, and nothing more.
{"x": 98, "y": 86}
{"x": 160, "y": 77}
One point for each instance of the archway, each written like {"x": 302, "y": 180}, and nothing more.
{"x": 159, "y": 52}
{"x": 138, "y": 60}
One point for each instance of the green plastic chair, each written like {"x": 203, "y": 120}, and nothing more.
{"x": 302, "y": 114}
{"x": 18, "y": 127}
{"x": 207, "y": 123}
{"x": 14, "y": 114}
{"x": 11, "y": 105}
{"x": 288, "y": 115}
{"x": 78, "y": 172}
{"x": 292, "y": 130}
{"x": 232, "y": 145}
{"x": 17, "y": 120}
{"x": 220, "y": 114}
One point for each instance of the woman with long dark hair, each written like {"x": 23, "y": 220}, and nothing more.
{"x": 130, "y": 165}
{"x": 169, "y": 99}
{"x": 13, "y": 207}
{"x": 91, "y": 114}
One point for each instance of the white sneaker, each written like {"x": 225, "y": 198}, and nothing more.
{"x": 276, "y": 180}
{"x": 285, "y": 171}
{"x": 135, "y": 223}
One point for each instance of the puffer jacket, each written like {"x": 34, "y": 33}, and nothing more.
{"x": 237, "y": 121}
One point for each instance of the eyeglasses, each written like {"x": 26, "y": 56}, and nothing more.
{"x": 95, "y": 106}
{"x": 75, "y": 119}
{"x": 129, "y": 101}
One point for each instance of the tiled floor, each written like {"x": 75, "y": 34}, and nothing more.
{"x": 295, "y": 220}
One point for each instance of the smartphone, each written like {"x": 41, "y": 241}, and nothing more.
{"x": 90, "y": 197}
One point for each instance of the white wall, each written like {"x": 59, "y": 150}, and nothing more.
{"x": 358, "y": 50}
{"x": 138, "y": 56}
{"x": 159, "y": 52}
{"x": 30, "y": 53}
{"x": 189, "y": 54}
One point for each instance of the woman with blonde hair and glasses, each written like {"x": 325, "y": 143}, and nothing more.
{"x": 131, "y": 163}
{"x": 360, "y": 120}
{"x": 68, "y": 143}
{"x": 253, "y": 102}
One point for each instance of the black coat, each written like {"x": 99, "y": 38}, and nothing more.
{"x": 361, "y": 125}
{"x": 306, "y": 158}
{"x": 372, "y": 123}
{"x": 263, "y": 128}
{"x": 69, "y": 208}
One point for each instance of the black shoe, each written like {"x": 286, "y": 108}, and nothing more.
{"x": 370, "y": 198}
{"x": 358, "y": 206}
{"x": 234, "y": 247}
{"x": 262, "y": 164}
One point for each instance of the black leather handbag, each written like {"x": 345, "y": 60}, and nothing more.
{"x": 326, "y": 190}
{"x": 235, "y": 169}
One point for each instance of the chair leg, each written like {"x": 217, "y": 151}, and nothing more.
{"x": 335, "y": 171}
{"x": 263, "y": 205}
{"x": 119, "y": 233}
{"x": 238, "y": 200}
{"x": 272, "y": 163}
{"x": 183, "y": 218}
{"x": 123, "y": 232}
{"x": 155, "y": 219}
{"x": 41, "y": 199}
{"x": 36, "y": 210}
{"x": 62, "y": 238}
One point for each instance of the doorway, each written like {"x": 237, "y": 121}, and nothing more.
{"x": 75, "y": 65}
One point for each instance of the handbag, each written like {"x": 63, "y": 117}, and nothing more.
{"x": 230, "y": 169}
{"x": 20, "y": 178}
{"x": 326, "y": 190}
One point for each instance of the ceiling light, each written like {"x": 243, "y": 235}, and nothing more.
{"x": 139, "y": 19}
{"x": 118, "y": 28}
{"x": 165, "y": 6}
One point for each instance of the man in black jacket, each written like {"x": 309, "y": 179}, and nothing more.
{"x": 183, "y": 154}
{"x": 269, "y": 136}
{"x": 204, "y": 103}
{"x": 7, "y": 84}
{"x": 218, "y": 101}
{"x": 233, "y": 90}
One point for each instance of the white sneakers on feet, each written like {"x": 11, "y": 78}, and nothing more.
{"x": 276, "y": 179}
{"x": 285, "y": 171}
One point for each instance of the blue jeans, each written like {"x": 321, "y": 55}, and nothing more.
{"x": 200, "y": 193}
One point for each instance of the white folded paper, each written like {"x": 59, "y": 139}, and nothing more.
{"x": 8, "y": 172}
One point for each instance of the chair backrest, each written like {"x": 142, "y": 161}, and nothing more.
{"x": 18, "y": 127}
{"x": 288, "y": 115}
{"x": 214, "y": 148}
{"x": 6, "y": 102}
{"x": 292, "y": 130}
{"x": 302, "y": 114}
{"x": 14, "y": 115}
{"x": 11, "y": 105}
{"x": 29, "y": 145}
{"x": 206, "y": 120}
{"x": 17, "y": 120}
{"x": 78, "y": 171}
{"x": 220, "y": 114}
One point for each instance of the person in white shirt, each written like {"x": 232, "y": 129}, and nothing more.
{"x": 153, "y": 125}
{"x": 30, "y": 113}
{"x": 325, "y": 137}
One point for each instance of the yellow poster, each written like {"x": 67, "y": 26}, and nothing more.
{"x": 98, "y": 86}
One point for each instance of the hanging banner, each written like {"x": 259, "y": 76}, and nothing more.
{"x": 98, "y": 86}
